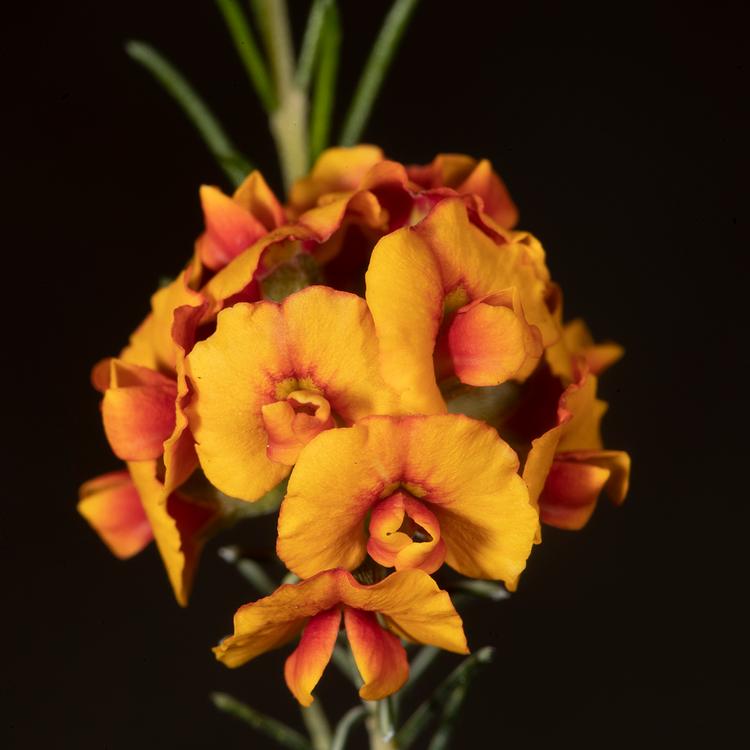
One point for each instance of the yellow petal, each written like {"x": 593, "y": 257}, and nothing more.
{"x": 336, "y": 170}
{"x": 378, "y": 654}
{"x": 405, "y": 293}
{"x": 304, "y": 667}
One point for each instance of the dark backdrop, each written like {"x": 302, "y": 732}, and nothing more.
{"x": 619, "y": 130}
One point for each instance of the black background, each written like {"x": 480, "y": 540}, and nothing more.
{"x": 619, "y": 130}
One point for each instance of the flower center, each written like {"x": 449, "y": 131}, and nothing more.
{"x": 293, "y": 422}
{"x": 404, "y": 533}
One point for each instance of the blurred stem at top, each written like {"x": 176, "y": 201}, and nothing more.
{"x": 375, "y": 69}
{"x": 289, "y": 120}
{"x": 325, "y": 81}
{"x": 247, "y": 49}
{"x": 234, "y": 164}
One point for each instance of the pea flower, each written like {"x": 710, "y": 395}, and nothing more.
{"x": 436, "y": 488}
{"x": 450, "y": 298}
{"x": 273, "y": 376}
{"x": 408, "y": 603}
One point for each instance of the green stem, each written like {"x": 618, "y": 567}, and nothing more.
{"x": 381, "y": 733}
{"x": 310, "y": 43}
{"x": 375, "y": 69}
{"x": 288, "y": 121}
{"x": 325, "y": 83}
{"x": 250, "y": 570}
{"x": 247, "y": 49}
{"x": 234, "y": 164}
{"x": 275, "y": 730}
{"x": 434, "y": 705}
{"x": 316, "y": 723}
{"x": 442, "y": 738}
{"x": 347, "y": 722}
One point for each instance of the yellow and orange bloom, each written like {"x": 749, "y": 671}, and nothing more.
{"x": 249, "y": 371}
{"x": 474, "y": 299}
{"x": 409, "y": 604}
{"x": 272, "y": 377}
{"x": 567, "y": 466}
{"x": 435, "y": 488}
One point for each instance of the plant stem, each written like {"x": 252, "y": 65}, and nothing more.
{"x": 234, "y": 164}
{"x": 317, "y": 725}
{"x": 288, "y": 121}
{"x": 345, "y": 726}
{"x": 375, "y": 69}
{"x": 250, "y": 570}
{"x": 379, "y": 727}
{"x": 247, "y": 49}
{"x": 280, "y": 733}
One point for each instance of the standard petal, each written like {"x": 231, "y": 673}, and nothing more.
{"x": 472, "y": 260}
{"x": 110, "y": 503}
{"x": 405, "y": 293}
{"x": 306, "y": 664}
{"x": 378, "y": 654}
{"x": 234, "y": 373}
{"x": 331, "y": 341}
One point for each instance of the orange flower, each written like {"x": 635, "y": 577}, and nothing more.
{"x": 272, "y": 377}
{"x": 434, "y": 488}
{"x": 466, "y": 176}
{"x": 447, "y": 294}
{"x": 409, "y": 602}
{"x": 559, "y": 418}
{"x": 567, "y": 466}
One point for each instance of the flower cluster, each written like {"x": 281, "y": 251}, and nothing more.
{"x": 388, "y": 354}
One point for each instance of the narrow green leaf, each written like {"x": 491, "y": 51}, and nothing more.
{"x": 310, "y": 41}
{"x": 325, "y": 83}
{"x": 347, "y": 722}
{"x": 434, "y": 705}
{"x": 250, "y": 570}
{"x": 375, "y": 69}
{"x": 247, "y": 49}
{"x": 224, "y": 151}
{"x": 282, "y": 734}
{"x": 423, "y": 660}
{"x": 448, "y": 722}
